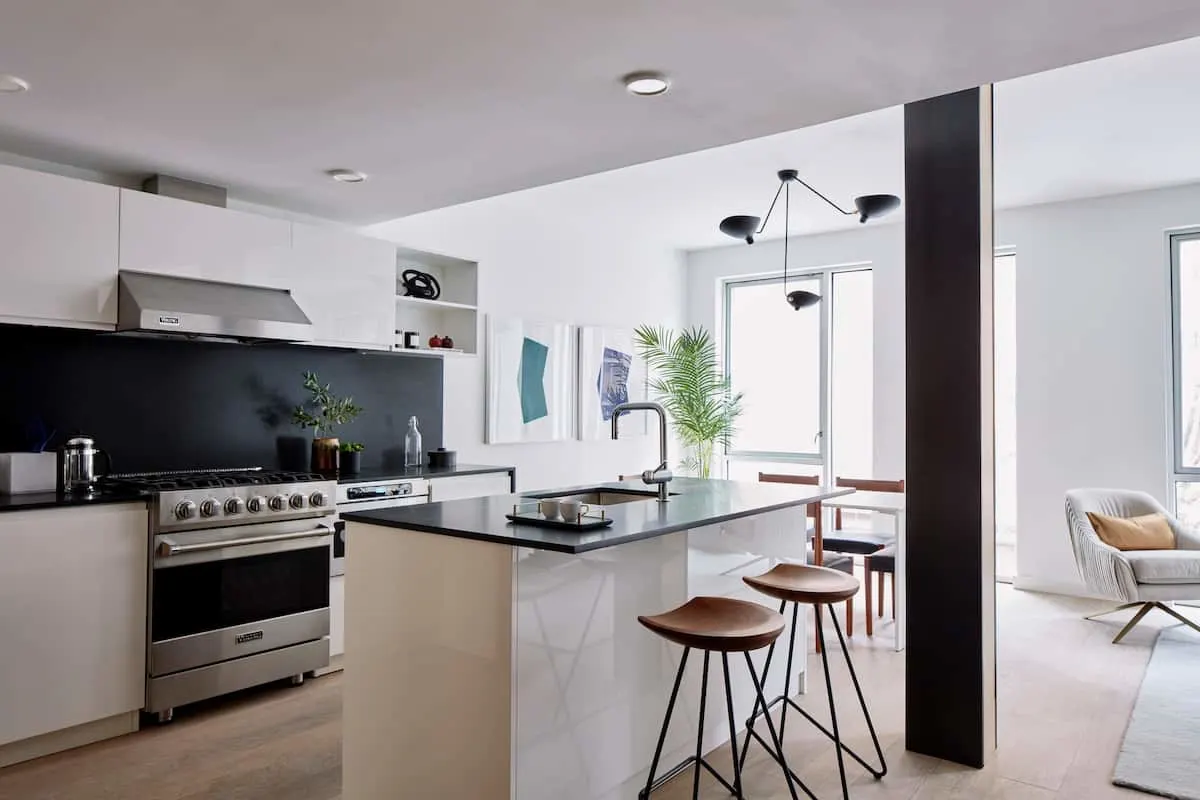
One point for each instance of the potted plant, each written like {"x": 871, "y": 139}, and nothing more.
{"x": 351, "y": 457}
{"x": 323, "y": 412}
{"x": 687, "y": 379}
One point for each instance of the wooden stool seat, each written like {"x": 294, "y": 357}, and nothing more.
{"x": 800, "y": 583}
{"x": 719, "y": 624}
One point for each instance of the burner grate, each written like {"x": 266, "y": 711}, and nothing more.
{"x": 204, "y": 479}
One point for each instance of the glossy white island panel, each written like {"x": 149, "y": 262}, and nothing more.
{"x": 484, "y": 670}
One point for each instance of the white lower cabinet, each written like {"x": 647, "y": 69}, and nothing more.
{"x": 461, "y": 487}
{"x": 72, "y": 616}
{"x": 337, "y": 616}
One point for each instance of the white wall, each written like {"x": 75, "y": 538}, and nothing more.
{"x": 540, "y": 258}
{"x": 1093, "y": 370}
{"x": 1093, "y": 375}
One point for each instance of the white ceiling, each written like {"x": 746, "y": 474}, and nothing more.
{"x": 1118, "y": 124}
{"x": 449, "y": 101}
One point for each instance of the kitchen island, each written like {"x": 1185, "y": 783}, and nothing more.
{"x": 492, "y": 660}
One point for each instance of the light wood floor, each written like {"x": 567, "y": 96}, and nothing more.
{"x": 1065, "y": 697}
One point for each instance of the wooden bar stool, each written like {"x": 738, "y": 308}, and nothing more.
{"x": 818, "y": 587}
{"x": 716, "y": 625}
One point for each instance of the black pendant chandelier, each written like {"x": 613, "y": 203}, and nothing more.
{"x": 744, "y": 226}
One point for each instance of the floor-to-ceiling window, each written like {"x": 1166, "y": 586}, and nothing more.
{"x": 1185, "y": 296}
{"x": 1004, "y": 327}
{"x": 806, "y": 375}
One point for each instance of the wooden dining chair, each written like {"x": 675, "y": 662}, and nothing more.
{"x": 878, "y": 549}
{"x": 821, "y": 554}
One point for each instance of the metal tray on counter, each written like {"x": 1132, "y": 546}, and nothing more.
{"x": 528, "y": 514}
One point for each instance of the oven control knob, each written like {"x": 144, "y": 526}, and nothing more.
{"x": 235, "y": 505}
{"x": 296, "y": 500}
{"x": 255, "y": 504}
{"x": 318, "y": 499}
{"x": 185, "y": 510}
{"x": 279, "y": 502}
{"x": 210, "y": 508}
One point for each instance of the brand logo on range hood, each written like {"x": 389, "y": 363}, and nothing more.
{"x": 168, "y": 320}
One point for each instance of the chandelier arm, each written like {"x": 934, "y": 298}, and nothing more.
{"x": 774, "y": 200}
{"x": 787, "y": 196}
{"x": 826, "y": 199}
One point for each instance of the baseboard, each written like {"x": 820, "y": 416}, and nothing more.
{"x": 68, "y": 738}
{"x": 1055, "y": 587}
{"x": 335, "y": 665}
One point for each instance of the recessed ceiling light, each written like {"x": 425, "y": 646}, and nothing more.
{"x": 11, "y": 84}
{"x": 646, "y": 84}
{"x": 346, "y": 175}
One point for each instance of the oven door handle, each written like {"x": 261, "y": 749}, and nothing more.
{"x": 166, "y": 548}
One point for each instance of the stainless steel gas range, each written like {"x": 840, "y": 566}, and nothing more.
{"x": 238, "y": 580}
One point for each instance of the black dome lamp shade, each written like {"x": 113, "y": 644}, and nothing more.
{"x": 745, "y": 226}
{"x": 801, "y": 299}
{"x": 875, "y": 205}
{"x": 740, "y": 226}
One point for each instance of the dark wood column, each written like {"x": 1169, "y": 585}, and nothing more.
{"x": 951, "y": 655}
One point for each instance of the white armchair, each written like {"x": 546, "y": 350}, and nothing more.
{"x": 1147, "y": 579}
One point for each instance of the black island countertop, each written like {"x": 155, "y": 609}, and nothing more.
{"x": 694, "y": 503}
{"x": 429, "y": 473}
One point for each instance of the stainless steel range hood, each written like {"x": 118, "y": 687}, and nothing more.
{"x": 166, "y": 304}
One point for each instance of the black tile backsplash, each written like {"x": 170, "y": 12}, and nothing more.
{"x": 157, "y": 404}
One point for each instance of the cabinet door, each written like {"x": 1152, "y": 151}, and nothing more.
{"x": 337, "y": 615}
{"x": 58, "y": 262}
{"x": 193, "y": 240}
{"x": 461, "y": 487}
{"x": 73, "y": 617}
{"x": 346, "y": 283}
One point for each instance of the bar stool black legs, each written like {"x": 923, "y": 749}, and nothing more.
{"x": 715, "y": 625}
{"x": 698, "y": 761}
{"x": 786, "y": 702}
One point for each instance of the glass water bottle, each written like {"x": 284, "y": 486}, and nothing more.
{"x": 412, "y": 444}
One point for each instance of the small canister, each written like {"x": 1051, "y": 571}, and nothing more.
{"x": 442, "y": 458}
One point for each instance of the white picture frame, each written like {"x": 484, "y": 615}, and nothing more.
{"x": 529, "y": 383}
{"x": 610, "y": 371}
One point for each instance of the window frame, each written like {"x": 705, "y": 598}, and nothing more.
{"x": 824, "y": 276}
{"x": 1179, "y": 472}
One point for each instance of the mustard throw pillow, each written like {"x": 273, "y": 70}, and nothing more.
{"x": 1147, "y": 532}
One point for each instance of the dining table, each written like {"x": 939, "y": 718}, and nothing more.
{"x": 890, "y": 504}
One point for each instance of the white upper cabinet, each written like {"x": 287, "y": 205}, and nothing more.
{"x": 346, "y": 284}
{"x": 58, "y": 250}
{"x": 192, "y": 240}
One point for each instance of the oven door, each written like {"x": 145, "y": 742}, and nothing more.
{"x": 226, "y": 593}
{"x": 339, "y": 534}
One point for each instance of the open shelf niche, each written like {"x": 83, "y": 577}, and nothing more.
{"x": 455, "y": 313}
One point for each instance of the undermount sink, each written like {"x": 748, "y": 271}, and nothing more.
{"x": 601, "y": 496}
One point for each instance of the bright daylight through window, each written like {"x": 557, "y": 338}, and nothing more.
{"x": 1185, "y": 290}
{"x": 802, "y": 373}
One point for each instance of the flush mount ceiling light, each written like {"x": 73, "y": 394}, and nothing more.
{"x": 346, "y": 175}
{"x": 745, "y": 226}
{"x": 646, "y": 84}
{"x": 11, "y": 84}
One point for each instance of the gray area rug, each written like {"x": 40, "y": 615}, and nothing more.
{"x": 1161, "y": 751}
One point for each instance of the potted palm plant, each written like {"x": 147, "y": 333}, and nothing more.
{"x": 323, "y": 412}
{"x": 687, "y": 379}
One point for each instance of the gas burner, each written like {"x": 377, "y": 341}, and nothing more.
{"x": 207, "y": 479}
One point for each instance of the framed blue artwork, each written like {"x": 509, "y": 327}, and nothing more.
{"x": 530, "y": 366}
{"x": 610, "y": 372}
